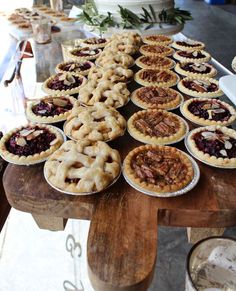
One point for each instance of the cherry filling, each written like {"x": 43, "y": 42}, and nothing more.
{"x": 157, "y": 167}
{"x": 156, "y": 95}
{"x": 1, "y": 134}
{"x": 191, "y": 55}
{"x": 57, "y": 84}
{"x": 33, "y": 145}
{"x": 216, "y": 144}
{"x": 69, "y": 67}
{"x": 50, "y": 109}
{"x": 95, "y": 41}
{"x": 200, "y": 87}
{"x": 194, "y": 68}
{"x": 85, "y": 52}
{"x": 209, "y": 110}
{"x": 183, "y": 43}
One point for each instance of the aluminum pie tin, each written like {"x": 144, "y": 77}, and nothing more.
{"x": 80, "y": 193}
{"x": 187, "y": 188}
{"x": 199, "y": 159}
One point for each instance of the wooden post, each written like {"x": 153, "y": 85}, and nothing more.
{"x": 197, "y": 233}
{"x": 50, "y": 223}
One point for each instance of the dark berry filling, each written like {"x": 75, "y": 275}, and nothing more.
{"x": 69, "y": 67}
{"x": 200, "y": 87}
{"x": 183, "y": 43}
{"x": 95, "y": 41}
{"x": 50, "y": 109}
{"x": 192, "y": 55}
{"x": 33, "y": 146}
{"x": 85, "y": 52}
{"x": 220, "y": 146}
{"x": 194, "y": 68}
{"x": 57, "y": 84}
{"x": 1, "y": 134}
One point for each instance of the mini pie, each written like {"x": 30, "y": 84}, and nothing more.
{"x": 196, "y": 70}
{"x": 114, "y": 95}
{"x": 115, "y": 75}
{"x": 129, "y": 37}
{"x": 188, "y": 45}
{"x": 84, "y": 53}
{"x": 157, "y": 39}
{"x": 156, "y": 50}
{"x": 95, "y": 42}
{"x": 214, "y": 144}
{"x": 50, "y": 109}
{"x": 156, "y": 97}
{"x": 83, "y": 167}
{"x": 150, "y": 77}
{"x": 97, "y": 122}
{"x": 204, "y": 111}
{"x": 156, "y": 126}
{"x": 81, "y": 67}
{"x": 197, "y": 56}
{"x": 30, "y": 144}
{"x": 160, "y": 169}
{"x": 109, "y": 59}
{"x": 64, "y": 83}
{"x": 122, "y": 46}
{"x": 203, "y": 87}
{"x": 154, "y": 62}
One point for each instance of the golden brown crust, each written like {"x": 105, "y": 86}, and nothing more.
{"x": 157, "y": 39}
{"x": 199, "y": 70}
{"x": 92, "y": 54}
{"x": 95, "y": 42}
{"x": 188, "y": 45}
{"x": 156, "y": 50}
{"x": 154, "y": 62}
{"x": 110, "y": 60}
{"x": 191, "y": 56}
{"x": 76, "y": 70}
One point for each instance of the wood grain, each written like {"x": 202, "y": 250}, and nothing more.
{"x": 4, "y": 205}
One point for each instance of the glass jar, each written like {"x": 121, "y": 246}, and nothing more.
{"x": 41, "y": 30}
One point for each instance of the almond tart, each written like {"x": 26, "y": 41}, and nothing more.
{"x": 188, "y": 45}
{"x": 154, "y": 97}
{"x": 157, "y": 39}
{"x": 156, "y": 50}
{"x": 214, "y": 145}
{"x": 154, "y": 62}
{"x": 84, "y": 53}
{"x": 160, "y": 169}
{"x": 95, "y": 42}
{"x": 63, "y": 84}
{"x": 156, "y": 126}
{"x": 162, "y": 78}
{"x": 203, "y": 87}
{"x": 50, "y": 109}
{"x": 196, "y": 56}
{"x": 30, "y": 144}
{"x": 81, "y": 67}
{"x": 196, "y": 70}
{"x": 204, "y": 111}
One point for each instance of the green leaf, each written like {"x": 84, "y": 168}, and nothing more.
{"x": 153, "y": 12}
{"x": 149, "y": 26}
{"x": 88, "y": 17}
{"x": 147, "y": 14}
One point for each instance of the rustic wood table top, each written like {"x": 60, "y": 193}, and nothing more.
{"x": 122, "y": 242}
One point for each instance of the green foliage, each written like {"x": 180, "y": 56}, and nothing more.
{"x": 175, "y": 16}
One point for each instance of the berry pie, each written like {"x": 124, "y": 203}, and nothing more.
{"x": 154, "y": 62}
{"x": 160, "y": 169}
{"x": 188, "y": 45}
{"x": 84, "y": 53}
{"x": 204, "y": 111}
{"x": 30, "y": 144}
{"x": 214, "y": 145}
{"x": 156, "y": 126}
{"x": 198, "y": 56}
{"x": 95, "y": 42}
{"x": 73, "y": 67}
{"x": 156, "y": 50}
{"x": 157, "y": 39}
{"x": 196, "y": 70}
{"x": 83, "y": 167}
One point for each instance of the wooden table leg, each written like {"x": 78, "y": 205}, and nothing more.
{"x": 50, "y": 223}
{"x": 197, "y": 233}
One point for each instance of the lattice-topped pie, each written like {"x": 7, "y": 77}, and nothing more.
{"x": 156, "y": 97}
{"x": 154, "y": 62}
{"x": 129, "y": 37}
{"x": 162, "y": 78}
{"x": 157, "y": 39}
{"x": 122, "y": 46}
{"x": 64, "y": 83}
{"x": 84, "y": 53}
{"x": 204, "y": 111}
{"x": 50, "y": 109}
{"x": 196, "y": 70}
{"x": 114, "y": 95}
{"x": 109, "y": 59}
{"x": 197, "y": 56}
{"x": 188, "y": 45}
{"x": 215, "y": 145}
{"x": 203, "y": 87}
{"x": 156, "y": 126}
{"x": 115, "y": 75}
{"x": 30, "y": 144}
{"x": 159, "y": 169}
{"x": 83, "y": 167}
{"x": 98, "y": 122}
{"x": 82, "y": 67}
{"x": 156, "y": 50}
{"x": 95, "y": 42}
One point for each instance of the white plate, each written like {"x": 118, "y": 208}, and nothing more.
{"x": 80, "y": 193}
{"x": 190, "y": 186}
{"x": 228, "y": 86}
{"x": 196, "y": 157}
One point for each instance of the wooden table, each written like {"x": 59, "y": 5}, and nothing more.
{"x": 122, "y": 242}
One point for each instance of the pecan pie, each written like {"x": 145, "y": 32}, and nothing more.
{"x": 114, "y": 95}
{"x": 83, "y": 167}
{"x": 82, "y": 67}
{"x": 50, "y": 109}
{"x": 154, "y": 62}
{"x": 115, "y": 75}
{"x": 156, "y": 50}
{"x": 188, "y": 45}
{"x": 157, "y": 39}
{"x": 30, "y": 144}
{"x": 215, "y": 145}
{"x": 196, "y": 70}
{"x": 95, "y": 42}
{"x": 150, "y": 77}
{"x": 108, "y": 59}
{"x": 156, "y": 126}
{"x": 204, "y": 111}
{"x": 156, "y": 97}
{"x": 160, "y": 169}
{"x": 98, "y": 122}
{"x": 203, "y": 87}
{"x": 84, "y": 53}
{"x": 197, "y": 56}
{"x": 63, "y": 83}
